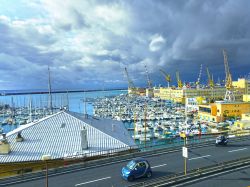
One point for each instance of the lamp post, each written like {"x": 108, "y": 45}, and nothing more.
{"x": 46, "y": 158}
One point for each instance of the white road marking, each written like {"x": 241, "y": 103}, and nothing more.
{"x": 237, "y": 150}
{"x": 199, "y": 157}
{"x": 158, "y": 166}
{"x": 92, "y": 181}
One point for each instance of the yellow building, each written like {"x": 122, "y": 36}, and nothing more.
{"x": 246, "y": 98}
{"x": 179, "y": 95}
{"x": 245, "y": 116}
{"x": 243, "y": 86}
{"x": 220, "y": 111}
{"x": 241, "y": 125}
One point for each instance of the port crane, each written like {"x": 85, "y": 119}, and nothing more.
{"x": 148, "y": 79}
{"x": 130, "y": 82}
{"x": 210, "y": 79}
{"x": 229, "y": 96}
{"x": 167, "y": 76}
{"x": 199, "y": 78}
{"x": 179, "y": 82}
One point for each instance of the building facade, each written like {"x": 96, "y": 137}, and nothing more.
{"x": 243, "y": 85}
{"x": 179, "y": 95}
{"x": 220, "y": 111}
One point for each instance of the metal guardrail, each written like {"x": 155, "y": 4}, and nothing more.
{"x": 178, "y": 178}
{"x": 109, "y": 159}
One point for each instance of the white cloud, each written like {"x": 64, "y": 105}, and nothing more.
{"x": 157, "y": 43}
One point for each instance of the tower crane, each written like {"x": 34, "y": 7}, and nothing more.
{"x": 167, "y": 76}
{"x": 148, "y": 79}
{"x": 131, "y": 86}
{"x": 199, "y": 78}
{"x": 229, "y": 96}
{"x": 210, "y": 79}
{"x": 179, "y": 82}
{"x": 130, "y": 82}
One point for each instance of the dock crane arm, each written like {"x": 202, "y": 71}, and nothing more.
{"x": 229, "y": 96}
{"x": 167, "y": 76}
{"x": 179, "y": 82}
{"x": 130, "y": 82}
{"x": 210, "y": 79}
{"x": 228, "y": 80}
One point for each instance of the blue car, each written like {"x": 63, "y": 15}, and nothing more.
{"x": 136, "y": 168}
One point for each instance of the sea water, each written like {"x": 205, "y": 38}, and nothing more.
{"x": 75, "y": 101}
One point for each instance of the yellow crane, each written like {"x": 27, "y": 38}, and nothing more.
{"x": 167, "y": 76}
{"x": 210, "y": 79}
{"x": 179, "y": 82}
{"x": 229, "y": 96}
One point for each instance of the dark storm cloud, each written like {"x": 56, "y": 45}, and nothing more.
{"x": 89, "y": 43}
{"x": 196, "y": 31}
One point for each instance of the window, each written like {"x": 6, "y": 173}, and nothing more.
{"x": 142, "y": 164}
{"x": 203, "y": 109}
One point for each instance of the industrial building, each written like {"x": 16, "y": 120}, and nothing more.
{"x": 242, "y": 124}
{"x": 221, "y": 110}
{"x": 243, "y": 85}
{"x": 64, "y": 135}
{"x": 179, "y": 95}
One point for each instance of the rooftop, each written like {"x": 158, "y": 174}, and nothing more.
{"x": 59, "y": 135}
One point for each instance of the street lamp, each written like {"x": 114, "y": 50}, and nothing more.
{"x": 46, "y": 158}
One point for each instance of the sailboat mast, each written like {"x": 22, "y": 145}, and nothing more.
{"x": 50, "y": 96}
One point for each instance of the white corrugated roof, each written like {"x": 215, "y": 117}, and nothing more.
{"x": 46, "y": 136}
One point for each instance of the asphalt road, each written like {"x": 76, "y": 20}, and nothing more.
{"x": 165, "y": 164}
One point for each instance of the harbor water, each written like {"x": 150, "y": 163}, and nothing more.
{"x": 37, "y": 104}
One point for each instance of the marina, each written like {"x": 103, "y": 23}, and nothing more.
{"x": 146, "y": 119}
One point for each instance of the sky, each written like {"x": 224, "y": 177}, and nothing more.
{"x": 87, "y": 44}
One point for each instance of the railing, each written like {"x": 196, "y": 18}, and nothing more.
{"x": 178, "y": 178}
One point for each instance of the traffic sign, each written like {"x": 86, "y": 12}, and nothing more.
{"x": 185, "y": 152}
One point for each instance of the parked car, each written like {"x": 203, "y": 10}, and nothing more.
{"x": 221, "y": 140}
{"x": 136, "y": 168}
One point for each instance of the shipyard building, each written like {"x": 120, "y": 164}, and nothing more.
{"x": 179, "y": 95}
{"x": 222, "y": 110}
